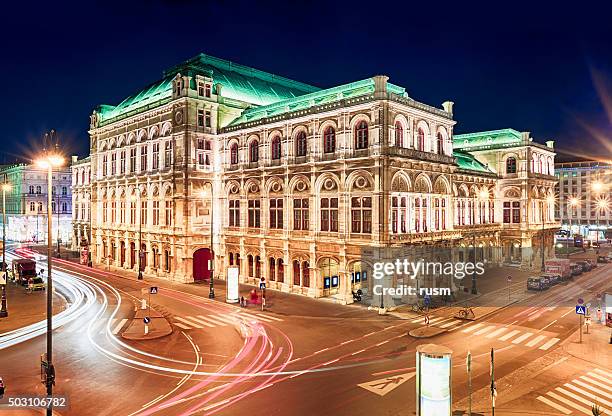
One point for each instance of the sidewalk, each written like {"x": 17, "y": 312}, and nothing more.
{"x": 595, "y": 347}
{"x": 27, "y": 308}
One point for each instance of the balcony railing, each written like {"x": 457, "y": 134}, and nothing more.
{"x": 417, "y": 154}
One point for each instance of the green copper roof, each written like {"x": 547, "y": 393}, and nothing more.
{"x": 238, "y": 82}
{"x": 326, "y": 96}
{"x": 469, "y": 162}
{"x": 493, "y": 138}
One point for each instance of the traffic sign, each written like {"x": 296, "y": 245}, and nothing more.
{"x": 580, "y": 310}
{"x": 509, "y": 278}
{"x": 146, "y": 320}
{"x": 587, "y": 320}
{"x": 580, "y": 301}
{"x": 153, "y": 290}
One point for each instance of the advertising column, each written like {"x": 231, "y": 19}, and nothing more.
{"x": 232, "y": 285}
{"x": 433, "y": 380}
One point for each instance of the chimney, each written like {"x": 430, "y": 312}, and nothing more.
{"x": 380, "y": 86}
{"x": 448, "y": 107}
{"x": 525, "y": 136}
{"x": 219, "y": 86}
{"x": 550, "y": 144}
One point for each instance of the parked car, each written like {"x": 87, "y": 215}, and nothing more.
{"x": 586, "y": 266}
{"x": 36, "y": 283}
{"x": 576, "y": 269}
{"x": 602, "y": 259}
{"x": 538, "y": 283}
{"x": 553, "y": 278}
{"x": 593, "y": 263}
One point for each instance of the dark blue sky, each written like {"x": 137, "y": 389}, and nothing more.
{"x": 527, "y": 65}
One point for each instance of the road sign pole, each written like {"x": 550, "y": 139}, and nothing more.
{"x": 580, "y": 328}
{"x": 469, "y": 371}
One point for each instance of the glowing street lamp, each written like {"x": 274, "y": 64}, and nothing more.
{"x": 573, "y": 203}
{"x": 48, "y": 161}
{"x": 602, "y": 204}
{"x": 6, "y": 187}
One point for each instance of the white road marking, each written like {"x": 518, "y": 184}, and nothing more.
{"x": 554, "y": 405}
{"x": 569, "y": 403}
{"x": 497, "y": 332}
{"x": 509, "y": 335}
{"x": 260, "y": 315}
{"x": 602, "y": 378}
{"x": 358, "y": 352}
{"x": 470, "y": 329}
{"x": 230, "y": 321}
{"x": 548, "y": 325}
{"x": 332, "y": 361}
{"x": 588, "y": 394}
{"x": 595, "y": 389}
{"x": 199, "y": 321}
{"x": 484, "y": 330}
{"x": 534, "y": 341}
{"x": 446, "y": 325}
{"x": 549, "y": 344}
{"x": 211, "y": 320}
{"x": 118, "y": 327}
{"x": 522, "y": 338}
{"x": 381, "y": 343}
{"x": 252, "y": 316}
{"x": 605, "y": 373}
{"x": 182, "y": 326}
{"x": 194, "y": 325}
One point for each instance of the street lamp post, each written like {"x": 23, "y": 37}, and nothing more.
{"x": 4, "y": 308}
{"x": 573, "y": 202}
{"x": 48, "y": 162}
{"x": 211, "y": 291}
{"x": 597, "y": 187}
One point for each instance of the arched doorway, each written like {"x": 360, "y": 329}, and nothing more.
{"x": 201, "y": 268}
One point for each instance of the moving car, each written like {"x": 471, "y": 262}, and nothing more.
{"x": 538, "y": 283}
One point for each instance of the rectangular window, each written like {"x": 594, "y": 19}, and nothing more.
{"x": 132, "y": 212}
{"x": 329, "y": 214}
{"x": 122, "y": 212}
{"x": 516, "y": 212}
{"x": 155, "y": 156}
{"x": 143, "y": 158}
{"x": 254, "y": 213}
{"x": 113, "y": 212}
{"x": 201, "y": 159}
{"x": 361, "y": 215}
{"x": 104, "y": 211}
{"x": 168, "y": 213}
{"x": 207, "y": 91}
{"x": 207, "y": 120}
{"x": 276, "y": 213}
{"x": 201, "y": 144}
{"x": 200, "y": 118}
{"x": 201, "y": 89}
{"x": 132, "y": 160}
{"x": 122, "y": 163}
{"x": 234, "y": 213}
{"x": 506, "y": 212}
{"x": 168, "y": 154}
{"x": 155, "y": 212}
{"x": 300, "y": 214}
{"x": 143, "y": 213}
{"x": 113, "y": 164}
{"x": 104, "y": 165}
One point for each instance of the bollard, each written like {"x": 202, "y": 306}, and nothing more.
{"x": 143, "y": 304}
{"x": 146, "y": 329}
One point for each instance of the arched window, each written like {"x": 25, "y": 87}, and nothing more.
{"x": 234, "y": 154}
{"x": 361, "y": 135}
{"x": 305, "y": 274}
{"x": 329, "y": 140}
{"x": 276, "y": 148}
{"x": 440, "y": 144}
{"x": 511, "y": 165}
{"x": 254, "y": 151}
{"x": 300, "y": 144}
{"x": 399, "y": 134}
{"x": 421, "y": 140}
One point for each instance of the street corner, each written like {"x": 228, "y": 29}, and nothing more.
{"x": 426, "y": 332}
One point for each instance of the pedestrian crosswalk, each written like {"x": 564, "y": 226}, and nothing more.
{"x": 579, "y": 395}
{"x": 539, "y": 340}
{"x": 218, "y": 320}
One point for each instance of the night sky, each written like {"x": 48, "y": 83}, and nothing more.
{"x": 530, "y": 66}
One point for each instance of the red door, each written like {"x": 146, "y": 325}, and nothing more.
{"x": 201, "y": 260}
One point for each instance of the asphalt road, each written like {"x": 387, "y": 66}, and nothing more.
{"x": 225, "y": 360}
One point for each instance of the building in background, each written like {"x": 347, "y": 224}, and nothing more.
{"x": 81, "y": 203}
{"x": 26, "y": 204}
{"x": 585, "y": 198}
{"x": 291, "y": 182}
